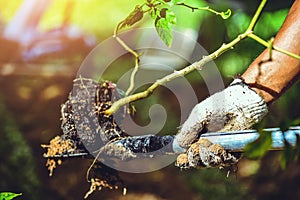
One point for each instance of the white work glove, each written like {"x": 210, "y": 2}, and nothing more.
{"x": 237, "y": 107}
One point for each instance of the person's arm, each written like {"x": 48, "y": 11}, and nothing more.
{"x": 244, "y": 102}
{"x": 272, "y": 78}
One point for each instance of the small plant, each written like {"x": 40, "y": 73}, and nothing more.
{"x": 8, "y": 195}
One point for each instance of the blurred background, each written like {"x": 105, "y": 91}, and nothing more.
{"x": 43, "y": 43}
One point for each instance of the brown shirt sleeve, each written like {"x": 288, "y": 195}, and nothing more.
{"x": 271, "y": 78}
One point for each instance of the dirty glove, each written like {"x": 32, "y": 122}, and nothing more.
{"x": 237, "y": 107}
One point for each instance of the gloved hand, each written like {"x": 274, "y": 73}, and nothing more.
{"x": 237, "y": 107}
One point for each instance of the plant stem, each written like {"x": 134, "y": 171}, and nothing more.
{"x": 259, "y": 40}
{"x": 132, "y": 76}
{"x": 271, "y": 48}
{"x": 207, "y": 8}
{"x": 256, "y": 15}
{"x": 197, "y": 65}
{"x": 267, "y": 44}
{"x": 137, "y": 60}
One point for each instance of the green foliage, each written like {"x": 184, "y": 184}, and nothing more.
{"x": 173, "y": 2}
{"x": 289, "y": 153}
{"x": 237, "y": 24}
{"x": 259, "y": 147}
{"x": 19, "y": 172}
{"x": 285, "y": 124}
{"x": 212, "y": 184}
{"x": 163, "y": 20}
{"x": 8, "y": 195}
{"x": 245, "y": 52}
{"x": 163, "y": 17}
{"x": 160, "y": 11}
{"x": 269, "y": 23}
{"x": 233, "y": 63}
{"x": 267, "y": 26}
{"x": 163, "y": 25}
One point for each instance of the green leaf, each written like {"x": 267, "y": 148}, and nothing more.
{"x": 135, "y": 16}
{"x": 153, "y": 13}
{"x": 164, "y": 30}
{"x": 177, "y": 1}
{"x": 259, "y": 147}
{"x": 173, "y": 2}
{"x": 8, "y": 195}
{"x": 297, "y": 149}
{"x": 289, "y": 153}
{"x": 164, "y": 18}
{"x": 226, "y": 15}
{"x": 237, "y": 24}
{"x": 170, "y": 17}
{"x": 286, "y": 123}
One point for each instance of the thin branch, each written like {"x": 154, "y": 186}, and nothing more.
{"x": 271, "y": 46}
{"x": 188, "y": 6}
{"x": 256, "y": 15}
{"x": 132, "y": 76}
{"x": 197, "y": 65}
{"x": 224, "y": 15}
{"x": 137, "y": 60}
{"x": 267, "y": 44}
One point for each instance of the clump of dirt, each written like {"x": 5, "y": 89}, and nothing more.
{"x": 106, "y": 178}
{"x": 86, "y": 129}
{"x": 203, "y": 153}
{"x": 83, "y": 118}
{"x": 85, "y": 126}
{"x": 57, "y": 146}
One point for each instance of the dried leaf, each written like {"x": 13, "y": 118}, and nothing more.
{"x": 135, "y": 16}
